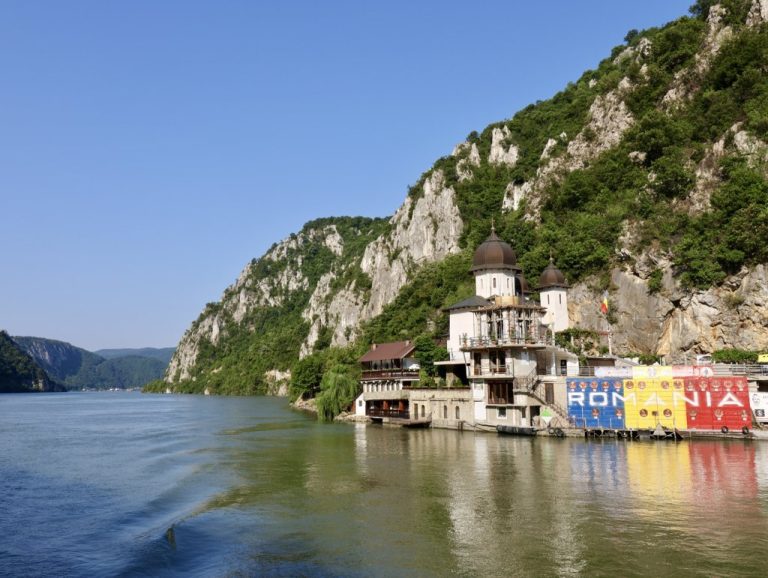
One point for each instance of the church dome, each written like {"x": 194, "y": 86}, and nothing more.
{"x": 493, "y": 253}
{"x": 552, "y": 277}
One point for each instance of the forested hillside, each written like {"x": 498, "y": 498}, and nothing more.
{"x": 645, "y": 177}
{"x": 18, "y": 371}
{"x": 80, "y": 369}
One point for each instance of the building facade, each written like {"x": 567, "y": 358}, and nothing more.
{"x": 503, "y": 367}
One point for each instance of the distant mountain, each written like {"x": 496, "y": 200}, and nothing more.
{"x": 19, "y": 372}
{"x": 163, "y": 354}
{"x": 61, "y": 360}
{"x": 81, "y": 369}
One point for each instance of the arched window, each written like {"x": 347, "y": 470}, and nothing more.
{"x": 458, "y": 412}
{"x": 445, "y": 412}
{"x": 422, "y": 411}
{"x": 416, "y": 410}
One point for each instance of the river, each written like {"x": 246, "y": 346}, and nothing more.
{"x": 124, "y": 484}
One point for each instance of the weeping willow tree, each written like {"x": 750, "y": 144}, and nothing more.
{"x": 338, "y": 390}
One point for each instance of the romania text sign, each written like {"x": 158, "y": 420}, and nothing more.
{"x": 643, "y": 402}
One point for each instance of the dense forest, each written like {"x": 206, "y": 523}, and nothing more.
{"x": 77, "y": 368}
{"x": 18, "y": 371}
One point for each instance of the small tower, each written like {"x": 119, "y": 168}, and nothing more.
{"x": 553, "y": 291}
{"x": 494, "y": 266}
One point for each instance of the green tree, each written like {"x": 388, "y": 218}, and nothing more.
{"x": 306, "y": 375}
{"x": 338, "y": 390}
{"x": 427, "y": 352}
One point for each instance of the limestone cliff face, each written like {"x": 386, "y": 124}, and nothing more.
{"x": 609, "y": 118}
{"x": 676, "y": 323}
{"x": 426, "y": 228}
{"x": 267, "y": 282}
{"x": 422, "y": 231}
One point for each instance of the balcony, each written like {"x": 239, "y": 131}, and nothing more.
{"x": 468, "y": 343}
{"x": 396, "y": 413}
{"x": 396, "y": 373}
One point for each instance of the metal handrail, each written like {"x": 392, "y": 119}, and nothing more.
{"x": 389, "y": 373}
{"x": 470, "y": 342}
{"x": 718, "y": 369}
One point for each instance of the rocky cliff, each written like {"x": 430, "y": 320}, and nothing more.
{"x": 645, "y": 177}
{"x": 18, "y": 371}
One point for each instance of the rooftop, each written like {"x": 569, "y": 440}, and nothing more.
{"x": 392, "y": 350}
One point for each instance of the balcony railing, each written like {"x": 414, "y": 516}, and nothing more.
{"x": 718, "y": 369}
{"x": 482, "y": 342}
{"x": 389, "y": 413}
{"x": 390, "y": 374}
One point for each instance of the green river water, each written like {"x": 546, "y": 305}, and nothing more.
{"x": 120, "y": 484}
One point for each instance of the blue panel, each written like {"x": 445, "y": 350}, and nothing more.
{"x": 596, "y": 402}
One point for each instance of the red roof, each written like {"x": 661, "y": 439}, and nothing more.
{"x": 394, "y": 350}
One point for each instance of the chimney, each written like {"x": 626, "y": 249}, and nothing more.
{"x": 373, "y": 346}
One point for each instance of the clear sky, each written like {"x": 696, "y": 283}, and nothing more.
{"x": 150, "y": 149}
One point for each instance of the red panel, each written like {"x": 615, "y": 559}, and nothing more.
{"x": 711, "y": 413}
{"x": 698, "y": 419}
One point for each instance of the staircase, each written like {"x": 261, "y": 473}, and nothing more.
{"x": 530, "y": 385}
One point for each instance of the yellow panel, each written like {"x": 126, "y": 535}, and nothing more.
{"x": 653, "y": 404}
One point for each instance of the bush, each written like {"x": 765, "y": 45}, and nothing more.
{"x": 734, "y": 356}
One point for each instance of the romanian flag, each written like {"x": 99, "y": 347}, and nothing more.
{"x": 604, "y": 303}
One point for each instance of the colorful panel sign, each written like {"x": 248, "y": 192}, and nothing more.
{"x": 646, "y": 402}
{"x": 596, "y": 402}
{"x": 651, "y": 402}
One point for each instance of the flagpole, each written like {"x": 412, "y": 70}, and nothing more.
{"x": 604, "y": 310}
{"x": 610, "y": 340}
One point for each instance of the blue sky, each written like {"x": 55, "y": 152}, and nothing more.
{"x": 149, "y": 149}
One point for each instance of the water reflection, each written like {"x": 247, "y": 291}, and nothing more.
{"x": 356, "y": 500}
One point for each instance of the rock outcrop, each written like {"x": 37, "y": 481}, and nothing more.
{"x": 677, "y": 323}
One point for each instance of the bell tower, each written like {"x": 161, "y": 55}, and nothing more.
{"x": 553, "y": 293}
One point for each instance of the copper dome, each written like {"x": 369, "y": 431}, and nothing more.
{"x": 493, "y": 253}
{"x": 552, "y": 277}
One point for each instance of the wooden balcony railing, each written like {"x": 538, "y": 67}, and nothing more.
{"x": 388, "y": 413}
{"x": 390, "y": 374}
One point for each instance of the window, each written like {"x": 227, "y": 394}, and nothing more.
{"x": 422, "y": 411}
{"x": 547, "y": 299}
{"x": 561, "y": 298}
{"x": 458, "y": 412}
{"x": 445, "y": 412}
{"x": 501, "y": 412}
{"x": 494, "y": 282}
{"x": 416, "y": 410}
